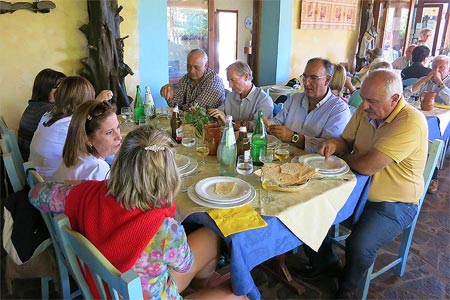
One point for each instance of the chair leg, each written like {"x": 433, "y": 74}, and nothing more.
{"x": 45, "y": 281}
{"x": 404, "y": 249}
{"x": 367, "y": 280}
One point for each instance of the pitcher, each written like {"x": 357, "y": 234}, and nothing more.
{"x": 427, "y": 100}
{"x": 213, "y": 133}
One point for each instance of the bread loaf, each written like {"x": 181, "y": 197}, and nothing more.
{"x": 223, "y": 188}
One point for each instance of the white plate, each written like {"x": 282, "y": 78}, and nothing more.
{"x": 195, "y": 198}
{"x": 205, "y": 188}
{"x": 332, "y": 165}
{"x": 192, "y": 166}
{"x": 181, "y": 161}
{"x": 281, "y": 89}
{"x": 325, "y": 173}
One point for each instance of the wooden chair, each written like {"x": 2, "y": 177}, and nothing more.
{"x": 42, "y": 265}
{"x": 3, "y": 125}
{"x": 434, "y": 151}
{"x": 34, "y": 178}
{"x": 15, "y": 175}
{"x": 82, "y": 255}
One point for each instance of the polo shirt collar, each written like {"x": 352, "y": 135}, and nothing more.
{"x": 400, "y": 105}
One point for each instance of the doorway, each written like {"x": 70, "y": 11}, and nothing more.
{"x": 226, "y": 40}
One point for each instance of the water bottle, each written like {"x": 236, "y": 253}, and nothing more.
{"x": 149, "y": 104}
{"x": 227, "y": 150}
{"x": 259, "y": 139}
{"x": 138, "y": 105}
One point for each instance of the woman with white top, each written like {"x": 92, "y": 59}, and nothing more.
{"x": 48, "y": 141}
{"x": 93, "y": 134}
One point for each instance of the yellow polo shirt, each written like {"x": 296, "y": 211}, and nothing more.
{"x": 404, "y": 138}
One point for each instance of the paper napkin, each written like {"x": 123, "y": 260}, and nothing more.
{"x": 233, "y": 220}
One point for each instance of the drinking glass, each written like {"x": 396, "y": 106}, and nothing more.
{"x": 244, "y": 165}
{"x": 125, "y": 113}
{"x": 282, "y": 152}
{"x": 202, "y": 150}
{"x": 269, "y": 184}
{"x": 142, "y": 120}
{"x": 266, "y": 155}
{"x": 188, "y": 140}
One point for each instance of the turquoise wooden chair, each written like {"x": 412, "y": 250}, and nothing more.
{"x": 434, "y": 151}
{"x": 82, "y": 254}
{"x": 15, "y": 175}
{"x": 34, "y": 178}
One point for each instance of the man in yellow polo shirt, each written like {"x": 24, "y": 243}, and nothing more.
{"x": 387, "y": 139}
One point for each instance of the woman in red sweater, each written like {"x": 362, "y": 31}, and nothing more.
{"x": 129, "y": 218}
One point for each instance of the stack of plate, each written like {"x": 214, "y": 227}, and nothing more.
{"x": 203, "y": 193}
{"x": 333, "y": 166}
{"x": 281, "y": 89}
{"x": 185, "y": 165}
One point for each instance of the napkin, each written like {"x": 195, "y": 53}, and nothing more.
{"x": 442, "y": 105}
{"x": 238, "y": 219}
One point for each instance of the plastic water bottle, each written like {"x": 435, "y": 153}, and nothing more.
{"x": 149, "y": 104}
{"x": 227, "y": 150}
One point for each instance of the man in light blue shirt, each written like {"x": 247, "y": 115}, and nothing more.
{"x": 438, "y": 81}
{"x": 245, "y": 100}
{"x": 310, "y": 117}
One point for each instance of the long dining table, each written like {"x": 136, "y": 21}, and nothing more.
{"x": 288, "y": 225}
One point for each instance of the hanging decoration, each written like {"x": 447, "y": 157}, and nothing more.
{"x": 326, "y": 14}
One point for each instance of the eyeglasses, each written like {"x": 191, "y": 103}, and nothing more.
{"x": 99, "y": 110}
{"x": 304, "y": 77}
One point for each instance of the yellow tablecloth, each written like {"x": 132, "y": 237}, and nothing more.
{"x": 308, "y": 213}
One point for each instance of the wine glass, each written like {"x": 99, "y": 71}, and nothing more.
{"x": 268, "y": 184}
{"x": 202, "y": 150}
{"x": 126, "y": 112}
{"x": 266, "y": 155}
{"x": 282, "y": 152}
{"x": 188, "y": 140}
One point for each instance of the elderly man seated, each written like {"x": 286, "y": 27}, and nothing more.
{"x": 309, "y": 117}
{"x": 200, "y": 85}
{"x": 386, "y": 139}
{"x": 438, "y": 80}
{"x": 245, "y": 100}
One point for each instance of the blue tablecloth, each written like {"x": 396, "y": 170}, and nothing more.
{"x": 253, "y": 247}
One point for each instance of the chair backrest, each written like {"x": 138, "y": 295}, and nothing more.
{"x": 15, "y": 175}
{"x": 355, "y": 99}
{"x": 10, "y": 146}
{"x": 409, "y": 81}
{"x": 82, "y": 255}
{"x": 3, "y": 125}
{"x": 434, "y": 152}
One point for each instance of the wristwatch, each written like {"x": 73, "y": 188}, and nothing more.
{"x": 295, "y": 137}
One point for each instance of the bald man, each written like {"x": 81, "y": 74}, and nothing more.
{"x": 200, "y": 85}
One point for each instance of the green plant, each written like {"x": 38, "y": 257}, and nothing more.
{"x": 198, "y": 117}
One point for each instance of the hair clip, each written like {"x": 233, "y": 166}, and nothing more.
{"x": 89, "y": 117}
{"x": 154, "y": 148}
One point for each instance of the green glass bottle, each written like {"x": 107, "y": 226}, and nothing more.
{"x": 259, "y": 139}
{"x": 138, "y": 105}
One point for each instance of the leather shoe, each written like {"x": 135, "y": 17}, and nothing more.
{"x": 309, "y": 272}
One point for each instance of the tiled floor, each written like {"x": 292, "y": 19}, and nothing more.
{"x": 427, "y": 274}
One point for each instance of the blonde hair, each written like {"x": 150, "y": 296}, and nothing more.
{"x": 72, "y": 91}
{"x": 144, "y": 174}
{"x": 337, "y": 81}
{"x": 86, "y": 119}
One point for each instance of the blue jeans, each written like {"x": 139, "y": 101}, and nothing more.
{"x": 379, "y": 224}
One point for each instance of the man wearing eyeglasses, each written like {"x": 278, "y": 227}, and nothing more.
{"x": 317, "y": 114}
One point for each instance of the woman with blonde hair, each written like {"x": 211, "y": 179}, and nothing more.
{"x": 338, "y": 80}
{"x": 137, "y": 229}
{"x": 93, "y": 134}
{"x": 48, "y": 141}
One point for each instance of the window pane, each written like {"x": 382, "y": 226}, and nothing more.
{"x": 187, "y": 28}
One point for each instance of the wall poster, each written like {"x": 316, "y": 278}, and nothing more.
{"x": 326, "y": 14}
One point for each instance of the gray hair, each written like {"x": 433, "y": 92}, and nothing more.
{"x": 442, "y": 57}
{"x": 329, "y": 67}
{"x": 392, "y": 81}
{"x": 144, "y": 174}
{"x": 199, "y": 51}
{"x": 242, "y": 68}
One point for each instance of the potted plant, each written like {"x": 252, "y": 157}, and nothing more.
{"x": 198, "y": 117}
